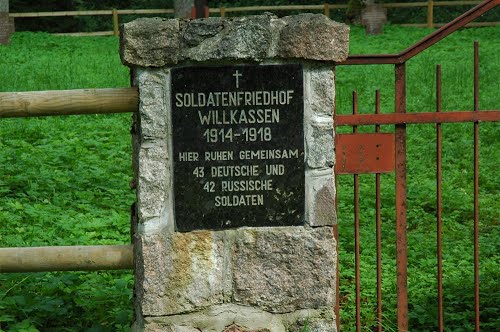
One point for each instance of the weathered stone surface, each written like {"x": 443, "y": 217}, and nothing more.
{"x": 319, "y": 92}
{"x": 181, "y": 272}
{"x": 155, "y": 97}
{"x": 162, "y": 328}
{"x": 319, "y": 85}
{"x": 220, "y": 318}
{"x": 154, "y": 182}
{"x": 197, "y": 31}
{"x": 284, "y": 269}
{"x": 314, "y": 320}
{"x": 159, "y": 42}
{"x": 320, "y": 198}
{"x": 275, "y": 269}
{"x": 236, "y": 328}
{"x": 240, "y": 38}
{"x": 151, "y": 150}
{"x": 313, "y": 36}
{"x": 319, "y": 142}
{"x": 150, "y": 42}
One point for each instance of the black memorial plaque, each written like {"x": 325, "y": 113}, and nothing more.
{"x": 238, "y": 146}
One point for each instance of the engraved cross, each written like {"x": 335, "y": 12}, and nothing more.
{"x": 237, "y": 75}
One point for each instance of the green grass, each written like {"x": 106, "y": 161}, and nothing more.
{"x": 65, "y": 181}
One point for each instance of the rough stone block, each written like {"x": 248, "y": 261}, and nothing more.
{"x": 160, "y": 42}
{"x": 154, "y": 87}
{"x": 284, "y": 269}
{"x": 320, "y": 198}
{"x": 236, "y": 328}
{"x": 316, "y": 321}
{"x": 154, "y": 181}
{"x": 319, "y": 142}
{"x": 219, "y": 317}
{"x": 240, "y": 38}
{"x": 313, "y": 36}
{"x": 181, "y": 273}
{"x": 232, "y": 317}
{"x": 319, "y": 84}
{"x": 197, "y": 31}
{"x": 150, "y": 42}
{"x": 162, "y": 328}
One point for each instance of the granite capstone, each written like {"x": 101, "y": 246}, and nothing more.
{"x": 155, "y": 42}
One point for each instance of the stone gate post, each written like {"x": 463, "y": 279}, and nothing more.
{"x": 6, "y": 23}
{"x": 233, "y": 158}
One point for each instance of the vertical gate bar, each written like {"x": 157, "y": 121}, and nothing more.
{"x": 476, "y": 184}
{"x": 438, "y": 202}
{"x": 401, "y": 242}
{"x": 378, "y": 226}
{"x": 356, "y": 227}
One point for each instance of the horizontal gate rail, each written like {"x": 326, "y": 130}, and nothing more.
{"x": 66, "y": 258}
{"x": 68, "y": 102}
{"x": 412, "y": 118}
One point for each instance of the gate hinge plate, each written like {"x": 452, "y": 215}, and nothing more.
{"x": 364, "y": 153}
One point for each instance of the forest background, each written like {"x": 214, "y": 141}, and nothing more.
{"x": 104, "y": 23}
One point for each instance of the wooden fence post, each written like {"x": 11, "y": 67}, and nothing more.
{"x": 116, "y": 31}
{"x": 222, "y": 11}
{"x": 430, "y": 13}
{"x": 327, "y": 10}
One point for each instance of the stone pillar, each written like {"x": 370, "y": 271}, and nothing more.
{"x": 233, "y": 159}
{"x": 6, "y": 22}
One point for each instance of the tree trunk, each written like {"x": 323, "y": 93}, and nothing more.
{"x": 182, "y": 8}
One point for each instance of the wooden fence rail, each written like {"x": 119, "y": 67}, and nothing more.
{"x": 84, "y": 101}
{"x": 66, "y": 258}
{"x": 223, "y": 11}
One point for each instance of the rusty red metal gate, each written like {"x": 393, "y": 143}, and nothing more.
{"x": 381, "y": 152}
